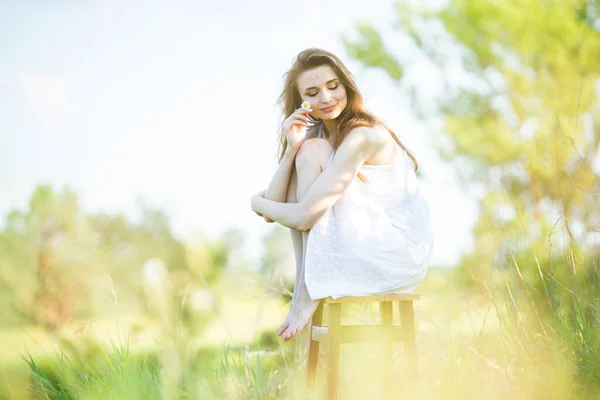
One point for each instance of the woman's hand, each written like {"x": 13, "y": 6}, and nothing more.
{"x": 253, "y": 205}
{"x": 294, "y": 127}
{"x": 254, "y": 200}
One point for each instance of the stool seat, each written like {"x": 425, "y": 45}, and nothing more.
{"x": 373, "y": 299}
{"x": 385, "y": 332}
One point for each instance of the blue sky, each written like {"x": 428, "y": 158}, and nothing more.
{"x": 174, "y": 103}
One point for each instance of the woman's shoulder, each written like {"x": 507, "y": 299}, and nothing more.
{"x": 375, "y": 134}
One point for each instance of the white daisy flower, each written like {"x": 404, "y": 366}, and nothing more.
{"x": 305, "y": 105}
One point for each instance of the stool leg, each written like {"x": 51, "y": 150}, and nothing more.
{"x": 313, "y": 347}
{"x": 407, "y": 317}
{"x": 333, "y": 330}
{"x": 385, "y": 319}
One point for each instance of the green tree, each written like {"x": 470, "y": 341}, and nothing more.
{"x": 46, "y": 260}
{"x": 57, "y": 263}
{"x": 520, "y": 111}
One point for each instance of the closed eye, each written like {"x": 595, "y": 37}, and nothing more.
{"x": 315, "y": 93}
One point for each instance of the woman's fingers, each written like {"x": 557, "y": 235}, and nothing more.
{"x": 296, "y": 121}
{"x": 303, "y": 113}
{"x": 300, "y": 121}
{"x": 299, "y": 117}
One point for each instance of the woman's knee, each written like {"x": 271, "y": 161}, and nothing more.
{"x": 315, "y": 150}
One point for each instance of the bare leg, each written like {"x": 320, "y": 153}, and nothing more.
{"x": 304, "y": 307}
{"x": 308, "y": 167}
{"x": 298, "y": 249}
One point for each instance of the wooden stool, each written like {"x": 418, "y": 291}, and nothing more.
{"x": 334, "y": 333}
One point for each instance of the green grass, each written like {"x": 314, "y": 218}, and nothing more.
{"x": 509, "y": 342}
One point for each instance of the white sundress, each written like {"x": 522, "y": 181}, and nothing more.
{"x": 376, "y": 239}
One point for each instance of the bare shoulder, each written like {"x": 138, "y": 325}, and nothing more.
{"x": 367, "y": 135}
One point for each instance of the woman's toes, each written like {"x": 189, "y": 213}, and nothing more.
{"x": 288, "y": 333}
{"x": 282, "y": 328}
{"x": 294, "y": 331}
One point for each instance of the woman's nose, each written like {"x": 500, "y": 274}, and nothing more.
{"x": 325, "y": 97}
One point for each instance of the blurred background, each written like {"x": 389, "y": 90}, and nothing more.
{"x": 134, "y": 134}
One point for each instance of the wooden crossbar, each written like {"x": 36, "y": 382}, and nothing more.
{"x": 360, "y": 333}
{"x": 334, "y": 333}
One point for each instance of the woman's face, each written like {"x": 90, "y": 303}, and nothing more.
{"x": 326, "y": 94}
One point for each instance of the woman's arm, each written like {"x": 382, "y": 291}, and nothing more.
{"x": 360, "y": 144}
{"x": 278, "y": 187}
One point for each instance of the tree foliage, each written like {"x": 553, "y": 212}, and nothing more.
{"x": 58, "y": 263}
{"x": 521, "y": 111}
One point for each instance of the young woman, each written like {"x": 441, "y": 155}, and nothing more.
{"x": 346, "y": 187}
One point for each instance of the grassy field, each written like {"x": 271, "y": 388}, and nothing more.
{"x": 472, "y": 346}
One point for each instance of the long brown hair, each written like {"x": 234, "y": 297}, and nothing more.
{"x": 354, "y": 114}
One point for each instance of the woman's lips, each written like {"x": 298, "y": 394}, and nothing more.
{"x": 328, "y": 109}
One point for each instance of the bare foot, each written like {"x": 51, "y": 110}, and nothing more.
{"x": 300, "y": 313}
{"x": 288, "y": 319}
